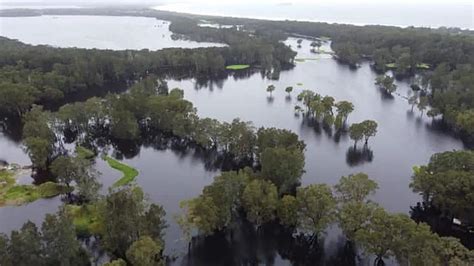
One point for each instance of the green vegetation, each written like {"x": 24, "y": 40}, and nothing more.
{"x": 447, "y": 183}
{"x": 363, "y": 130}
{"x": 12, "y": 194}
{"x": 237, "y": 67}
{"x": 129, "y": 173}
{"x": 312, "y": 209}
{"x": 321, "y": 109}
{"x": 84, "y": 153}
{"x": 21, "y": 194}
{"x": 85, "y": 219}
{"x": 423, "y": 66}
{"x": 386, "y": 83}
{"x": 269, "y": 192}
{"x": 299, "y": 84}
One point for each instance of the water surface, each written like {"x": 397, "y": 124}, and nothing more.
{"x": 101, "y": 32}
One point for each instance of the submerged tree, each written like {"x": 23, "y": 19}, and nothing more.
{"x": 125, "y": 216}
{"x": 289, "y": 90}
{"x": 356, "y": 133}
{"x": 355, "y": 188}
{"x": 260, "y": 201}
{"x": 387, "y": 83}
{"x": 311, "y": 210}
{"x": 422, "y": 104}
{"x": 413, "y": 100}
{"x": 270, "y": 89}
{"x": 145, "y": 251}
{"x": 369, "y": 129}
{"x": 282, "y": 166}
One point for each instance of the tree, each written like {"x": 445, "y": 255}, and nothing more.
{"x": 25, "y": 246}
{"x": 381, "y": 58}
{"x": 289, "y": 90}
{"x": 239, "y": 139}
{"x": 124, "y": 125}
{"x": 387, "y": 83}
{"x": 79, "y": 170}
{"x": 5, "y": 258}
{"x": 201, "y": 213}
{"x": 277, "y": 138}
{"x": 226, "y": 192}
{"x": 422, "y": 104}
{"x": 356, "y": 133}
{"x": 452, "y": 252}
{"x": 270, "y": 89}
{"x": 308, "y": 96}
{"x": 413, "y": 100}
{"x": 316, "y": 44}
{"x": 123, "y": 218}
{"x": 344, "y": 108}
{"x": 316, "y": 208}
{"x": 369, "y": 129}
{"x": 39, "y": 150}
{"x": 38, "y": 137}
{"x": 287, "y": 210}
{"x": 59, "y": 236}
{"x": 419, "y": 246}
{"x": 384, "y": 234}
{"x": 434, "y": 112}
{"x": 283, "y": 166}
{"x": 352, "y": 216}
{"x": 447, "y": 183}
{"x": 16, "y": 99}
{"x": 145, "y": 252}
{"x": 65, "y": 169}
{"x": 355, "y": 188}
{"x": 87, "y": 185}
{"x": 260, "y": 201}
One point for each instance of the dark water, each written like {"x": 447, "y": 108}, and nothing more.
{"x": 404, "y": 139}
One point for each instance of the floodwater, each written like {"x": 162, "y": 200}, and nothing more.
{"x": 101, "y": 32}
{"x": 404, "y": 139}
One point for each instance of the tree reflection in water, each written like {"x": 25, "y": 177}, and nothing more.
{"x": 272, "y": 244}
{"x": 356, "y": 156}
{"x": 441, "y": 223}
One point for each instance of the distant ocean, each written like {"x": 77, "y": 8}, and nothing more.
{"x": 403, "y": 15}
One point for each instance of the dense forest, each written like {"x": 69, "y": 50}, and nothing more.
{"x": 262, "y": 168}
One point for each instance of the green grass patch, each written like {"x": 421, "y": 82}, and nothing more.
{"x": 423, "y": 66}
{"x": 85, "y": 219}
{"x": 391, "y": 65}
{"x": 299, "y": 84}
{"x": 6, "y": 179}
{"x": 129, "y": 173}
{"x": 21, "y": 194}
{"x": 84, "y": 153}
{"x": 305, "y": 59}
{"x": 237, "y": 67}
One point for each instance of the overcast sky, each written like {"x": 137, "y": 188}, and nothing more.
{"x": 377, "y": 2}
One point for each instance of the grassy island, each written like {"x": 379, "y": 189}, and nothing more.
{"x": 129, "y": 173}
{"x": 13, "y": 194}
{"x": 237, "y": 67}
